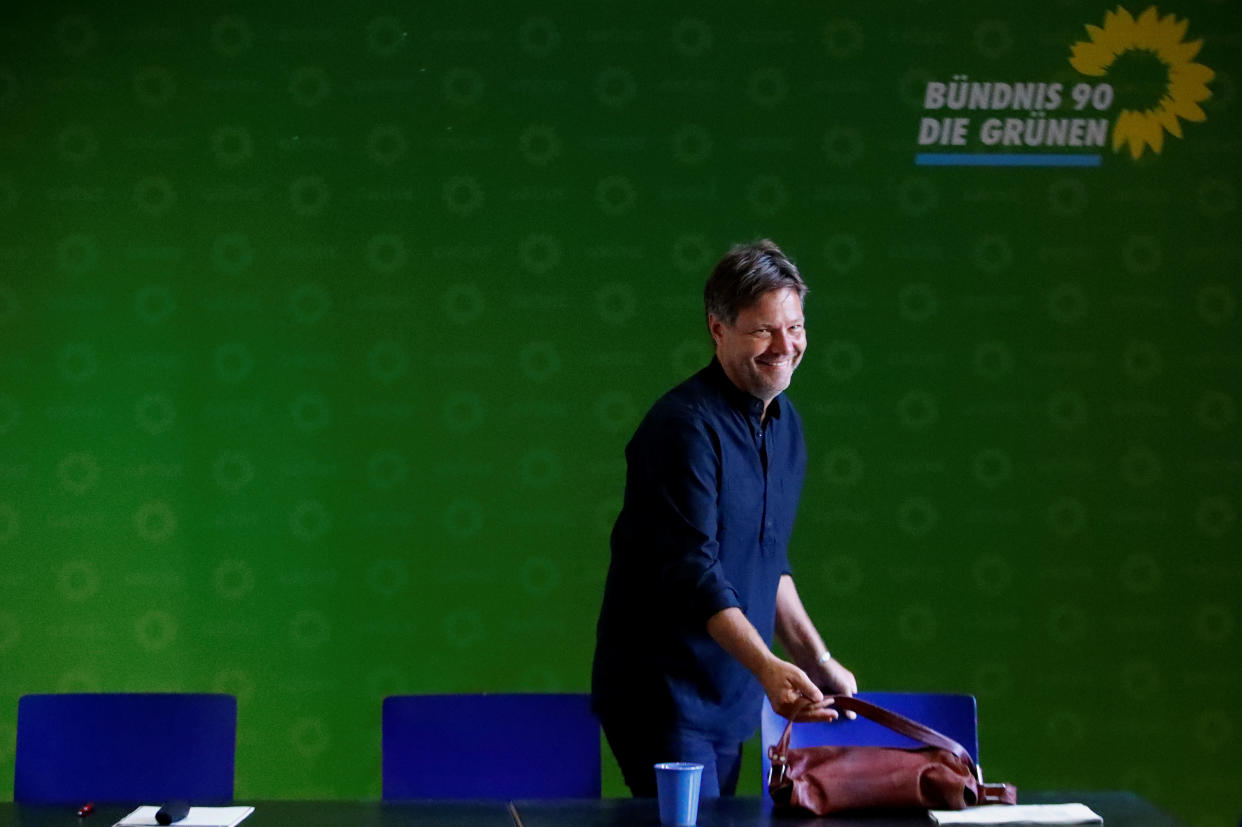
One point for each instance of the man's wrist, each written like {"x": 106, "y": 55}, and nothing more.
{"x": 823, "y": 659}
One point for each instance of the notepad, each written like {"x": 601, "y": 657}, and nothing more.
{"x": 1030, "y": 814}
{"x": 197, "y": 817}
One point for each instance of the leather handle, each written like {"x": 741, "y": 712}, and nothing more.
{"x": 897, "y": 723}
{"x": 902, "y": 725}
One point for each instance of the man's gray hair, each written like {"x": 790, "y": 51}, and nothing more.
{"x": 745, "y": 273}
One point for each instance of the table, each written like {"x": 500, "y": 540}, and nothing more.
{"x": 291, "y": 814}
{"x": 1117, "y": 808}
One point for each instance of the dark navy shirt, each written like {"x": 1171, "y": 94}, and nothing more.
{"x": 711, "y": 491}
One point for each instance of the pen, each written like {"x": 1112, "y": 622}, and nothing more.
{"x": 172, "y": 811}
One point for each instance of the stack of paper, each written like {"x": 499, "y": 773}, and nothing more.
{"x": 1033, "y": 814}
{"x": 197, "y": 817}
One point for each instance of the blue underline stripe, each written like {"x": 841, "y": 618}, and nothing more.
{"x": 961, "y": 159}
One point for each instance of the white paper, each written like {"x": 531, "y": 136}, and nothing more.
{"x": 1019, "y": 814}
{"x": 197, "y": 817}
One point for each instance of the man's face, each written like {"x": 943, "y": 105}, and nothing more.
{"x": 760, "y": 350}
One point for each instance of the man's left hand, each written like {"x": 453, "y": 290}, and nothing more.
{"x": 834, "y": 679}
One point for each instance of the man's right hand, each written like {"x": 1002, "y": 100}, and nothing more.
{"x": 789, "y": 690}
{"x": 787, "y": 686}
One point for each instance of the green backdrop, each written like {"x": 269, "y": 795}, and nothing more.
{"x": 323, "y": 327}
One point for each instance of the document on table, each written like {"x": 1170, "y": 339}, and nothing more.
{"x": 1031, "y": 814}
{"x": 197, "y": 817}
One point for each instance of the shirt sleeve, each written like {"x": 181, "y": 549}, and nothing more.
{"x": 685, "y": 480}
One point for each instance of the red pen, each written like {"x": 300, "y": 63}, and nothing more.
{"x": 86, "y": 809}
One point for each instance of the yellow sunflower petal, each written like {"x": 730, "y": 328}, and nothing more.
{"x": 1132, "y": 133}
{"x": 1188, "y": 93}
{"x": 1187, "y": 110}
{"x": 1120, "y": 29}
{"x": 1172, "y": 29}
{"x": 1091, "y": 58}
{"x": 1153, "y": 132}
{"x": 1115, "y": 20}
{"x": 1109, "y": 35}
{"x": 1147, "y": 29}
{"x": 1175, "y": 53}
{"x": 1168, "y": 118}
{"x": 1121, "y": 129}
{"x": 1138, "y": 130}
{"x": 1190, "y": 74}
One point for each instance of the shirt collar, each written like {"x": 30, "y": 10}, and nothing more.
{"x": 739, "y": 398}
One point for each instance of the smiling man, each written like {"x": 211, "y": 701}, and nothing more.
{"x": 699, "y": 581}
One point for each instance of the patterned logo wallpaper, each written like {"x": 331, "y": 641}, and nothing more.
{"x": 322, "y": 331}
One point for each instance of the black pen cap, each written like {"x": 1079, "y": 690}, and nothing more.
{"x": 172, "y": 811}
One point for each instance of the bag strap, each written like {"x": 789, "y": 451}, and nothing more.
{"x": 903, "y": 725}
{"x": 897, "y": 723}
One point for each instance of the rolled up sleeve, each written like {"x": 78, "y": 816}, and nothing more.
{"x": 685, "y": 484}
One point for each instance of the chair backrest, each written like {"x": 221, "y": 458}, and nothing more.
{"x": 490, "y": 746}
{"x": 125, "y": 747}
{"x": 949, "y": 714}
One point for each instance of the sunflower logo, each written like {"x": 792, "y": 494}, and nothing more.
{"x": 1153, "y": 72}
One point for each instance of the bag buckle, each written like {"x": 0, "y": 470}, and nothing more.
{"x": 776, "y": 772}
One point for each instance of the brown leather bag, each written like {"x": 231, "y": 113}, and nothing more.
{"x": 940, "y": 775}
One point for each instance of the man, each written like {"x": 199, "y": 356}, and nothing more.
{"x": 699, "y": 579}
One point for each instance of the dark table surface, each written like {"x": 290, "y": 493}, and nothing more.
{"x": 307, "y": 813}
{"x": 1117, "y": 808}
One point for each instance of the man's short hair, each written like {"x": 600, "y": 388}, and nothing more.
{"x": 745, "y": 273}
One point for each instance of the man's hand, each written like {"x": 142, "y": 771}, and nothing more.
{"x": 786, "y": 686}
{"x": 789, "y": 689}
{"x": 797, "y": 632}
{"x": 834, "y": 678}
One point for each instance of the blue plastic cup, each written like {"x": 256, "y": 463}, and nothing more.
{"x": 677, "y": 786}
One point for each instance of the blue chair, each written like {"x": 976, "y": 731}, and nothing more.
{"x": 125, "y": 748}
{"x": 949, "y": 714}
{"x": 487, "y": 746}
